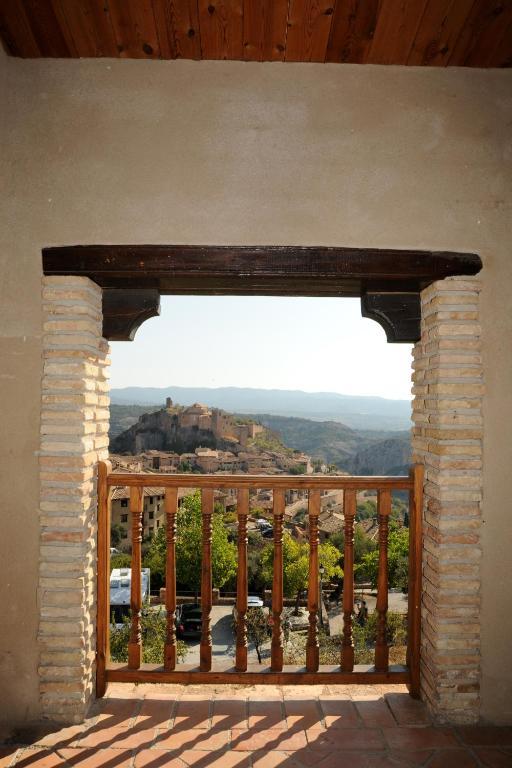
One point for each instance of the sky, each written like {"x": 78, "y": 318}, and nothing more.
{"x": 311, "y": 344}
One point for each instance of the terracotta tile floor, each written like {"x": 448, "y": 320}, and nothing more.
{"x": 259, "y": 727}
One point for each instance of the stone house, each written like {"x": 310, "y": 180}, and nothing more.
{"x": 153, "y": 514}
{"x": 328, "y": 523}
{"x": 160, "y": 461}
{"x": 207, "y": 460}
{"x": 154, "y": 508}
{"x": 402, "y": 170}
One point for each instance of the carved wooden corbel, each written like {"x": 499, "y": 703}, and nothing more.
{"x": 125, "y": 309}
{"x": 398, "y": 313}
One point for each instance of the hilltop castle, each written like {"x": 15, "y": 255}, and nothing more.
{"x": 222, "y": 425}
{"x": 183, "y": 429}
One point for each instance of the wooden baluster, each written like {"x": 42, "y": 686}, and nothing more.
{"x": 312, "y": 648}
{"x": 276, "y": 664}
{"x": 103, "y": 608}
{"x": 205, "y": 650}
{"x": 415, "y": 572}
{"x": 241, "y": 581}
{"x": 381, "y": 646}
{"x": 347, "y": 649}
{"x": 171, "y": 506}
{"x": 135, "y": 642}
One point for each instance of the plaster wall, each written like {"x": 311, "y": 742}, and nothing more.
{"x": 237, "y": 153}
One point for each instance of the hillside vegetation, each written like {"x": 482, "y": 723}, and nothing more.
{"x": 330, "y": 441}
{"x": 122, "y": 417}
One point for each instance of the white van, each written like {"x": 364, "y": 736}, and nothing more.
{"x": 120, "y": 592}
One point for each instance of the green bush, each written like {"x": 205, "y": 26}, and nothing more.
{"x": 365, "y": 636}
{"x": 153, "y": 626}
{"x": 364, "y": 639}
{"x": 120, "y": 561}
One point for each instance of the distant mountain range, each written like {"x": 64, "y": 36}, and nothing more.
{"x": 357, "y": 412}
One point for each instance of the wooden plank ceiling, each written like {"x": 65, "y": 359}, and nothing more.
{"x": 473, "y": 33}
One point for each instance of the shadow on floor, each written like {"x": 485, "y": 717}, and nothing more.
{"x": 258, "y": 727}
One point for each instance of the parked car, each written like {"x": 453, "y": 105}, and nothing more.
{"x": 267, "y": 533}
{"x": 189, "y": 620}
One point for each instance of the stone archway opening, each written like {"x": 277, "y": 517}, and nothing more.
{"x": 93, "y": 294}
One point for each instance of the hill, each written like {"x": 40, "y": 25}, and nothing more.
{"x": 331, "y": 441}
{"x": 122, "y": 417}
{"x": 356, "y": 451}
{"x": 382, "y": 457}
{"x": 357, "y": 412}
{"x": 176, "y": 429}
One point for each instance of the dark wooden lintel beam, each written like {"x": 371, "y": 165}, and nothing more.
{"x": 387, "y": 280}
{"x": 158, "y": 266}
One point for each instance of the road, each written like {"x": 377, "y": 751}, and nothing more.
{"x": 397, "y": 602}
{"x": 223, "y": 639}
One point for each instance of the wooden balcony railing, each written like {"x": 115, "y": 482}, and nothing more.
{"x": 313, "y": 672}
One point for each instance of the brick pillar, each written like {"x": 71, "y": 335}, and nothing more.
{"x": 74, "y": 436}
{"x": 447, "y": 438}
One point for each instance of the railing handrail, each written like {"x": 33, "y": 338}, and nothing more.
{"x": 318, "y": 482}
{"x": 346, "y": 672}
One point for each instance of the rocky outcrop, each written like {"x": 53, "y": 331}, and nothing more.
{"x": 161, "y": 431}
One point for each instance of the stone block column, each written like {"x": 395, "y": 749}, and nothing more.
{"x": 74, "y": 436}
{"x": 447, "y": 439}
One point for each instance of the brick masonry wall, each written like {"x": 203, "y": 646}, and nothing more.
{"x": 447, "y": 439}
{"x": 74, "y": 436}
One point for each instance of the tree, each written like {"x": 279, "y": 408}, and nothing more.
{"x": 257, "y": 628}
{"x": 362, "y": 543}
{"x": 296, "y": 565}
{"x": 116, "y": 531}
{"x": 366, "y": 509}
{"x": 189, "y": 548}
{"x": 398, "y": 558}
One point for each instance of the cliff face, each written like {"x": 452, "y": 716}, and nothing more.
{"x": 384, "y": 457}
{"x": 161, "y": 431}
